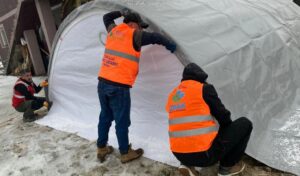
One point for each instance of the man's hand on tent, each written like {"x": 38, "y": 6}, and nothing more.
{"x": 171, "y": 47}
{"x": 125, "y": 12}
{"x": 44, "y": 83}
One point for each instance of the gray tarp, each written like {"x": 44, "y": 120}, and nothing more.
{"x": 249, "y": 48}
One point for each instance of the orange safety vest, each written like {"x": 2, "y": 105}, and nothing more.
{"x": 120, "y": 62}
{"x": 191, "y": 126}
{"x": 18, "y": 98}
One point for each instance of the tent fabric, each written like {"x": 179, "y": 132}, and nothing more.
{"x": 249, "y": 48}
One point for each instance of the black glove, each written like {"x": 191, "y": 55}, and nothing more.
{"x": 171, "y": 47}
{"x": 125, "y": 12}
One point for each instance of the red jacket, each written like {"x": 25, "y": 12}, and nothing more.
{"x": 18, "y": 97}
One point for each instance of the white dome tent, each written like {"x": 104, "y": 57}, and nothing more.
{"x": 249, "y": 48}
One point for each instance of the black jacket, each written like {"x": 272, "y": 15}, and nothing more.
{"x": 24, "y": 91}
{"x": 210, "y": 96}
{"x": 140, "y": 38}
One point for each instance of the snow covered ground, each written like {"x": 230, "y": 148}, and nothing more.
{"x": 1, "y": 68}
{"x": 29, "y": 149}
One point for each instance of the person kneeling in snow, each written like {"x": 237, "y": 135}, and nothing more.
{"x": 23, "y": 99}
{"x": 196, "y": 139}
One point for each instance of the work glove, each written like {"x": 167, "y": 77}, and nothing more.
{"x": 44, "y": 83}
{"x": 171, "y": 47}
{"x": 125, "y": 12}
{"x": 46, "y": 104}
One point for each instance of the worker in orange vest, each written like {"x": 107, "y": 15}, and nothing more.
{"x": 201, "y": 131}
{"x": 119, "y": 69}
{"x": 23, "y": 99}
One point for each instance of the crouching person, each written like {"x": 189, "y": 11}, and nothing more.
{"x": 23, "y": 99}
{"x": 196, "y": 139}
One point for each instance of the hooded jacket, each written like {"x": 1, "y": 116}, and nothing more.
{"x": 193, "y": 72}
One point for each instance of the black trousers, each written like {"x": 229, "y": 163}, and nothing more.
{"x": 38, "y": 103}
{"x": 29, "y": 106}
{"x": 228, "y": 147}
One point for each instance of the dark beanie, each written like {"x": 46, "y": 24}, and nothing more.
{"x": 134, "y": 17}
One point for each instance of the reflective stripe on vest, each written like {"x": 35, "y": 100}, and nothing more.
{"x": 189, "y": 119}
{"x": 19, "y": 96}
{"x": 25, "y": 84}
{"x": 192, "y": 128}
{"x": 120, "y": 61}
{"x": 123, "y": 55}
{"x": 193, "y": 132}
{"x": 21, "y": 82}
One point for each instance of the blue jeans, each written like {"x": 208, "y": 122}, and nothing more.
{"x": 115, "y": 105}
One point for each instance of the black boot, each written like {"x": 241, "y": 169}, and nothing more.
{"x": 29, "y": 118}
